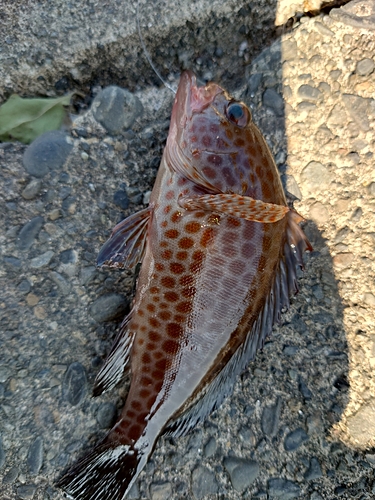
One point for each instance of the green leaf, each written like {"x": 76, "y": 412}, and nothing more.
{"x": 25, "y": 119}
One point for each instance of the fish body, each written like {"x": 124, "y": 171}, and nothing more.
{"x": 219, "y": 249}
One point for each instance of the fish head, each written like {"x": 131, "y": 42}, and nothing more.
{"x": 214, "y": 143}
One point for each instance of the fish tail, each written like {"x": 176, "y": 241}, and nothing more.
{"x": 107, "y": 473}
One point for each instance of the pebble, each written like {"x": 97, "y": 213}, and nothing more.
{"x": 369, "y": 299}
{"x": 294, "y": 439}
{"x": 35, "y": 456}
{"x": 26, "y": 491}
{"x": 319, "y": 213}
{"x": 315, "y": 178}
{"x": 42, "y": 260}
{"x": 108, "y": 307}
{"x": 359, "y": 108}
{"x": 210, "y": 447}
{"x": 203, "y": 482}
{"x": 314, "y": 471}
{"x": 69, "y": 256}
{"x": 161, "y": 491}
{"x": 116, "y": 109}
{"x": 32, "y": 189}
{"x": 274, "y": 101}
{"x": 365, "y": 67}
{"x": 12, "y": 261}
{"x": 2, "y": 453}
{"x": 343, "y": 260}
{"x": 270, "y": 418}
{"x": 309, "y": 93}
{"x": 120, "y": 198}
{"x": 61, "y": 282}
{"x": 74, "y": 386}
{"x": 29, "y": 232}
{"x": 5, "y": 373}
{"x": 32, "y": 299}
{"x": 106, "y": 415}
{"x": 242, "y": 472}
{"x": 11, "y": 475}
{"x": 48, "y": 152}
{"x": 283, "y": 488}
{"x": 254, "y": 82}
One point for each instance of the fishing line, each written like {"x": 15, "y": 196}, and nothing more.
{"x": 148, "y": 57}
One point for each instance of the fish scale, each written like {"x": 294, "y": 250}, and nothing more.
{"x": 219, "y": 249}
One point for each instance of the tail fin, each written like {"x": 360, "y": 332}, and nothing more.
{"x": 107, "y": 473}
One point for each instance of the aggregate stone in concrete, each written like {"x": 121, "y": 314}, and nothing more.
{"x": 116, "y": 109}
{"x": 161, "y": 491}
{"x": 106, "y": 415}
{"x": 48, "y": 152}
{"x": 32, "y": 189}
{"x": 35, "y": 456}
{"x": 203, "y": 482}
{"x": 314, "y": 471}
{"x": 29, "y": 232}
{"x": 295, "y": 439}
{"x": 242, "y": 472}
{"x": 283, "y": 489}
{"x": 74, "y": 387}
{"x": 2, "y": 453}
{"x": 108, "y": 307}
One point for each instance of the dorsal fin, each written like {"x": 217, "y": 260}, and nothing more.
{"x": 284, "y": 285}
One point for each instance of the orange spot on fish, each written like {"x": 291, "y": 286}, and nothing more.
{"x": 192, "y": 227}
{"x": 154, "y": 322}
{"x": 154, "y": 289}
{"x": 207, "y": 237}
{"x": 239, "y": 142}
{"x": 174, "y": 330}
{"x": 186, "y": 280}
{"x": 144, "y": 393}
{"x": 150, "y": 346}
{"x": 188, "y": 292}
{"x": 159, "y": 267}
{"x": 168, "y": 282}
{"x": 170, "y": 347}
{"x": 181, "y": 255}
{"x": 154, "y": 336}
{"x": 151, "y": 308}
{"x": 167, "y": 209}
{"x": 166, "y": 254}
{"x": 136, "y": 405}
{"x": 176, "y": 268}
{"x": 146, "y": 358}
{"x": 186, "y": 243}
{"x": 175, "y": 217}
{"x": 229, "y": 133}
{"x": 164, "y": 315}
{"x": 184, "y": 307}
{"x": 164, "y": 223}
{"x": 169, "y": 195}
{"x": 172, "y": 233}
{"x": 231, "y": 221}
{"x": 171, "y": 296}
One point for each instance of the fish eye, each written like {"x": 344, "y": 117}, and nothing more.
{"x": 238, "y": 114}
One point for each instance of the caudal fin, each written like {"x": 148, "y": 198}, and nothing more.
{"x": 107, "y": 473}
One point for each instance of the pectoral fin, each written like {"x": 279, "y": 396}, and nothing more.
{"x": 236, "y": 205}
{"x": 126, "y": 245}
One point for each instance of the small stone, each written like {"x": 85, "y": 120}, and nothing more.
{"x": 315, "y": 178}
{"x": 54, "y": 214}
{"x": 69, "y": 256}
{"x": 357, "y": 214}
{"x": 371, "y": 189}
{"x": 40, "y": 312}
{"x": 343, "y": 260}
{"x": 61, "y": 282}
{"x": 369, "y": 299}
{"x": 283, "y": 488}
{"x": 314, "y": 423}
{"x": 42, "y": 260}
{"x": 32, "y": 189}
{"x": 5, "y": 373}
{"x": 294, "y": 439}
{"x": 74, "y": 386}
{"x": 365, "y": 67}
{"x": 106, "y": 415}
{"x": 361, "y": 426}
{"x": 315, "y": 496}
{"x": 24, "y": 287}
{"x": 161, "y": 491}
{"x": 274, "y": 101}
{"x": 116, "y": 109}
{"x": 304, "y": 390}
{"x": 289, "y": 50}
{"x": 12, "y": 261}
{"x": 270, "y": 418}
{"x": 319, "y": 213}
{"x": 87, "y": 274}
{"x": 2, "y": 453}
{"x": 29, "y": 232}
{"x": 147, "y": 195}
{"x": 108, "y": 307}
{"x": 11, "y": 475}
{"x": 26, "y": 491}
{"x": 203, "y": 482}
{"x": 254, "y": 82}
{"x": 120, "y": 198}
{"x": 309, "y": 93}
{"x": 210, "y": 447}
{"x": 35, "y": 456}
{"x": 360, "y": 109}
{"x": 314, "y": 471}
{"x": 48, "y": 152}
{"x": 242, "y": 472}
{"x": 32, "y": 299}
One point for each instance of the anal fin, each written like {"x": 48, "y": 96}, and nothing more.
{"x": 117, "y": 361}
{"x": 127, "y": 243}
{"x": 236, "y": 205}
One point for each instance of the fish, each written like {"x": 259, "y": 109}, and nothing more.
{"x": 220, "y": 248}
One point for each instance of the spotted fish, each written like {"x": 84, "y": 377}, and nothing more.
{"x": 219, "y": 248}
